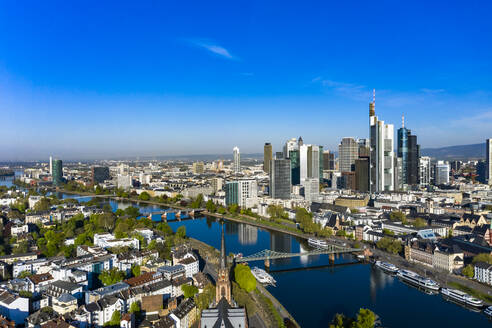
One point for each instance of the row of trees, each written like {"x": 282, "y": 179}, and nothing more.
{"x": 365, "y": 319}
{"x": 390, "y": 245}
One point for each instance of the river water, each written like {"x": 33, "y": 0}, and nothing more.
{"x": 313, "y": 296}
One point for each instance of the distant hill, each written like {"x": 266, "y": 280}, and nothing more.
{"x": 463, "y": 152}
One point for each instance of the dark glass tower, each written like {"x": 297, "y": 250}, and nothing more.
{"x": 409, "y": 152}
{"x": 280, "y": 178}
{"x": 57, "y": 172}
{"x": 295, "y": 166}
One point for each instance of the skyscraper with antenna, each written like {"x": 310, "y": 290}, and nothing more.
{"x": 381, "y": 170}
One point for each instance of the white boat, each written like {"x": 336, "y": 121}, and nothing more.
{"x": 417, "y": 280}
{"x": 388, "y": 267}
{"x": 317, "y": 242}
{"x": 488, "y": 311}
{"x": 262, "y": 276}
{"x": 461, "y": 297}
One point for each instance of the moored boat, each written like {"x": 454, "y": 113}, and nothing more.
{"x": 317, "y": 242}
{"x": 262, "y": 276}
{"x": 488, "y": 311}
{"x": 385, "y": 266}
{"x": 461, "y": 297}
{"x": 417, "y": 280}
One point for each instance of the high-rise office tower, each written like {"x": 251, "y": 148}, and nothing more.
{"x": 57, "y": 172}
{"x": 237, "y": 160}
{"x": 51, "y": 165}
{"x": 100, "y": 174}
{"x": 348, "y": 152}
{"x": 425, "y": 170}
{"x": 382, "y": 152}
{"x": 328, "y": 161}
{"x": 362, "y": 174}
{"x": 267, "y": 157}
{"x": 321, "y": 163}
{"x": 198, "y": 167}
{"x": 481, "y": 169}
{"x": 442, "y": 173}
{"x": 488, "y": 159}
{"x": 409, "y": 152}
{"x": 309, "y": 160}
{"x": 289, "y": 146}
{"x": 280, "y": 178}
{"x": 295, "y": 166}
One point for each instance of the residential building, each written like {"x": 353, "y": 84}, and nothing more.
{"x": 107, "y": 240}
{"x": 124, "y": 181}
{"x": 483, "y": 272}
{"x": 13, "y": 307}
{"x": 425, "y": 170}
{"x": 382, "y": 152}
{"x": 267, "y": 157}
{"x": 236, "y": 160}
{"x": 185, "y": 314}
{"x": 448, "y": 259}
{"x": 198, "y": 167}
{"x": 280, "y": 178}
{"x": 238, "y": 191}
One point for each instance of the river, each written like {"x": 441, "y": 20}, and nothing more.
{"x": 314, "y": 296}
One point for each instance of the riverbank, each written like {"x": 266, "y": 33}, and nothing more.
{"x": 445, "y": 279}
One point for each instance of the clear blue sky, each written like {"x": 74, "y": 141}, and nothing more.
{"x": 107, "y": 78}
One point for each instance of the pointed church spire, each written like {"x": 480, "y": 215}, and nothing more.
{"x": 223, "y": 259}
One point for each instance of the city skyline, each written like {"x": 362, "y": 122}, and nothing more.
{"x": 129, "y": 80}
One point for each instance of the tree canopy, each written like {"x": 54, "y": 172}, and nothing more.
{"x": 112, "y": 276}
{"x": 189, "y": 290}
{"x": 484, "y": 257}
{"x": 390, "y": 245}
{"x": 244, "y": 277}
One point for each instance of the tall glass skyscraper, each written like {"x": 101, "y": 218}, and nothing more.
{"x": 295, "y": 167}
{"x": 409, "y": 152}
{"x": 57, "y": 172}
{"x": 237, "y": 160}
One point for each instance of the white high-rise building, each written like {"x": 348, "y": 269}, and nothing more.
{"x": 442, "y": 173}
{"x": 237, "y": 160}
{"x": 348, "y": 152}
{"x": 290, "y": 145}
{"x": 382, "y": 153}
{"x": 51, "y": 165}
{"x": 309, "y": 160}
{"x": 488, "y": 158}
{"x": 425, "y": 170}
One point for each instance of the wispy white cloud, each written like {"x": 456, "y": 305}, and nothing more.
{"x": 352, "y": 90}
{"x": 247, "y": 74}
{"x": 213, "y": 48}
{"x": 432, "y": 91}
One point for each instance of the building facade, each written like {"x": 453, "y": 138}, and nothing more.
{"x": 57, "y": 172}
{"x": 267, "y": 157}
{"x": 442, "y": 173}
{"x": 100, "y": 174}
{"x": 237, "y": 160}
{"x": 348, "y": 152}
{"x": 488, "y": 160}
{"x": 280, "y": 178}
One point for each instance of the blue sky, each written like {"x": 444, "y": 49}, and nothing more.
{"x": 114, "y": 78}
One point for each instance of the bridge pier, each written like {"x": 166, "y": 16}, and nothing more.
{"x": 331, "y": 258}
{"x": 267, "y": 264}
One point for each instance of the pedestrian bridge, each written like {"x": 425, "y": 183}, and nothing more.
{"x": 267, "y": 254}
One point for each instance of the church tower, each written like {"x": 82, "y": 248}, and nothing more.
{"x": 223, "y": 288}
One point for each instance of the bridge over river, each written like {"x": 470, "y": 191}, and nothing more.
{"x": 267, "y": 254}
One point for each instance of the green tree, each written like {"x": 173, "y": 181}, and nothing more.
{"x": 24, "y": 274}
{"x": 112, "y": 276}
{"x": 365, "y": 319}
{"x": 132, "y": 212}
{"x": 181, "y": 232}
{"x": 204, "y": 299}
{"x": 483, "y": 257}
{"x": 135, "y": 308}
{"x": 468, "y": 271}
{"x": 136, "y": 270}
{"x": 42, "y": 205}
{"x": 197, "y": 203}
{"x": 222, "y": 210}
{"x": 388, "y": 232}
{"x": 189, "y": 290}
{"x": 165, "y": 228}
{"x": 210, "y": 206}
{"x": 115, "y": 319}
{"x": 144, "y": 196}
{"x": 397, "y": 216}
{"x": 244, "y": 277}
{"x": 390, "y": 245}
{"x": 419, "y": 223}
